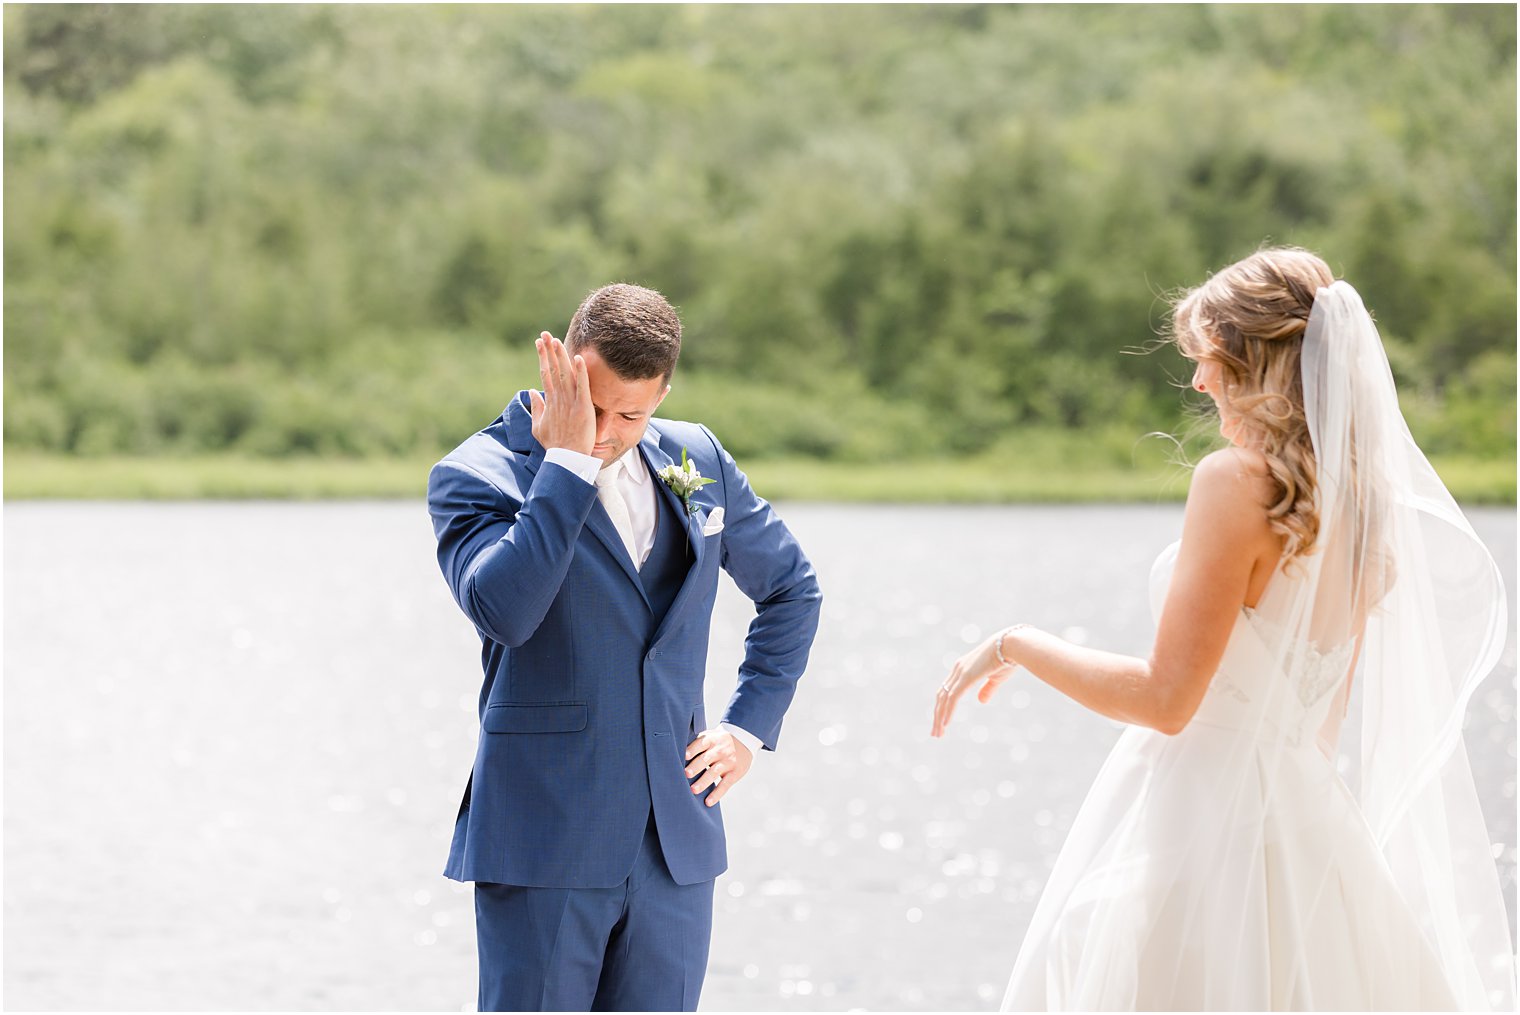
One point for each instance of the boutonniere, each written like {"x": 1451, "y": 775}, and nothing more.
{"x": 684, "y": 480}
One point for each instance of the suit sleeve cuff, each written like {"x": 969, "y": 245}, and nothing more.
{"x": 584, "y": 466}
{"x": 744, "y": 737}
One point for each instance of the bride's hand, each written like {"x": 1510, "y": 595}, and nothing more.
{"x": 980, "y": 664}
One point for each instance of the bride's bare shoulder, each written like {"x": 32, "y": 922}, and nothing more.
{"x": 1235, "y": 481}
{"x": 1236, "y": 462}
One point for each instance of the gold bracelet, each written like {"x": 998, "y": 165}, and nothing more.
{"x": 997, "y": 646}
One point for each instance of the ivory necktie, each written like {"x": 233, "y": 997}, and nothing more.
{"x": 617, "y": 508}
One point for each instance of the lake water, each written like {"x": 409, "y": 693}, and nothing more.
{"x": 236, "y": 735}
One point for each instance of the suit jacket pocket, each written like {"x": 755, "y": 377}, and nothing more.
{"x": 552, "y": 717}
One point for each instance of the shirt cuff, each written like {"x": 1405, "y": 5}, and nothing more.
{"x": 744, "y": 737}
{"x": 584, "y": 466}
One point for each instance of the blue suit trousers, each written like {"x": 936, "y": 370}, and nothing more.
{"x": 638, "y": 946}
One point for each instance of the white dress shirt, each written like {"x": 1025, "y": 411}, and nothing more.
{"x": 636, "y": 486}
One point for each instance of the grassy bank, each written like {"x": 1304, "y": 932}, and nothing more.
{"x": 999, "y": 479}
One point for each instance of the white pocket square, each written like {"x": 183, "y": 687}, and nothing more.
{"x": 714, "y": 522}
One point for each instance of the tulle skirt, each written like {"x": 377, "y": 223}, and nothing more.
{"x": 1187, "y": 885}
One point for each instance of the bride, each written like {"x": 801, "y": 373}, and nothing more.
{"x": 1219, "y": 861}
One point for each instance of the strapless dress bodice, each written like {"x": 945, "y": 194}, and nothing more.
{"x": 1267, "y": 683}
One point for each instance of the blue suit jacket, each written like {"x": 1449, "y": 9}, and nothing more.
{"x": 589, "y": 699}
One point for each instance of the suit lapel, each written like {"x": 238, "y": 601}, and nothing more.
{"x": 657, "y": 459}
{"x": 600, "y": 524}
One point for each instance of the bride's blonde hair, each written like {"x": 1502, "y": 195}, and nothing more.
{"x": 1250, "y": 319}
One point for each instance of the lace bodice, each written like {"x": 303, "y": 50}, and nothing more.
{"x": 1265, "y": 682}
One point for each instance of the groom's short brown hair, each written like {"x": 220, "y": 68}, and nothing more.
{"x": 632, "y": 328}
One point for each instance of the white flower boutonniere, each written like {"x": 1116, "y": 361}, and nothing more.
{"x": 684, "y": 480}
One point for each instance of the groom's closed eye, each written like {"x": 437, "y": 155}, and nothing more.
{"x": 632, "y": 417}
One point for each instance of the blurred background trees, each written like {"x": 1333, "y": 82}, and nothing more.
{"x": 890, "y": 231}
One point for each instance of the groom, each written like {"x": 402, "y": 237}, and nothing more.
{"x": 589, "y": 566}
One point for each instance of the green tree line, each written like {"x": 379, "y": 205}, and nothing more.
{"x": 890, "y": 231}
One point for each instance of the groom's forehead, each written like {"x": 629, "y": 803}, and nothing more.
{"x": 611, "y": 392}
{"x": 631, "y": 397}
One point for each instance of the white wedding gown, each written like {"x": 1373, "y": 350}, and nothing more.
{"x": 1182, "y": 888}
{"x": 1229, "y": 867}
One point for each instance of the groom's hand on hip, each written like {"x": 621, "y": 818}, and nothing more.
{"x": 716, "y": 759}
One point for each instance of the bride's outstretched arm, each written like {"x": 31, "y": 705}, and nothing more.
{"x": 1226, "y": 542}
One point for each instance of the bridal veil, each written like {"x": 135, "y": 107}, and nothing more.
{"x": 1400, "y": 556}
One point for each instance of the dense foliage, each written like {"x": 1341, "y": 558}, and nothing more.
{"x": 889, "y": 230}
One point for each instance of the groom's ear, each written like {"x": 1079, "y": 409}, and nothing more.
{"x": 662, "y": 398}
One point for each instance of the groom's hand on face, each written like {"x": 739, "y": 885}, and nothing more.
{"x": 716, "y": 758}
{"x": 563, "y": 416}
